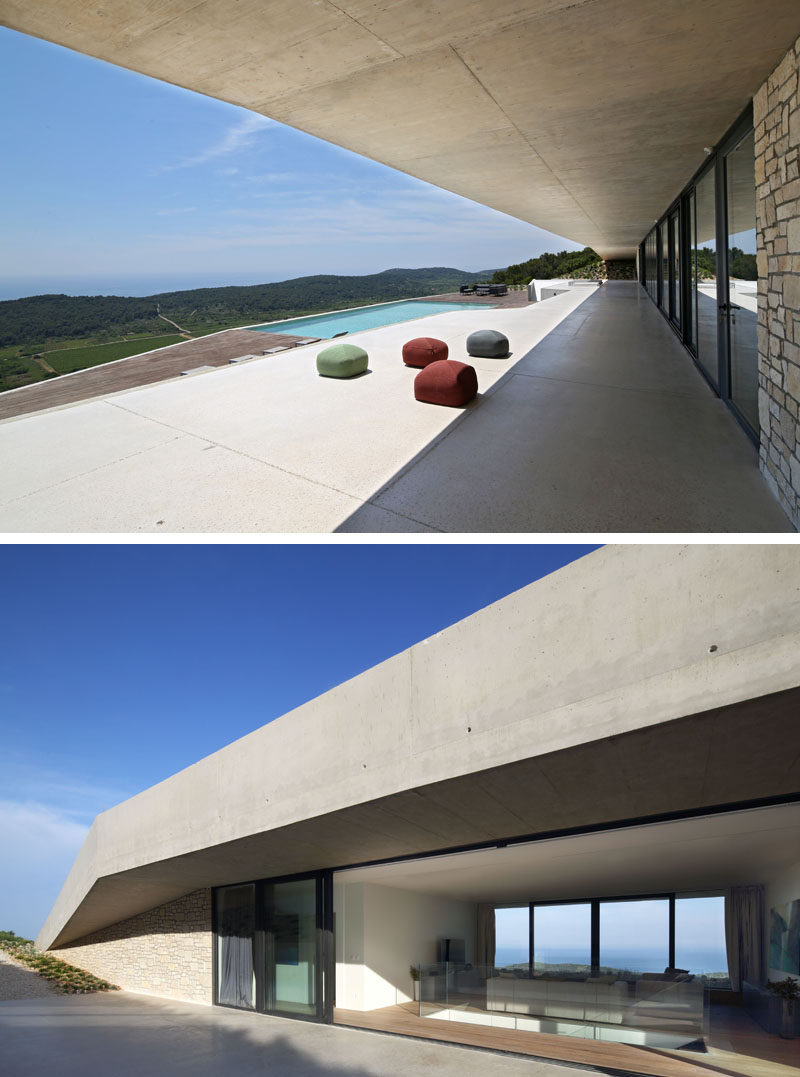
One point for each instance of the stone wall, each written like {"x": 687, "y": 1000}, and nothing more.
{"x": 165, "y": 951}
{"x": 776, "y": 114}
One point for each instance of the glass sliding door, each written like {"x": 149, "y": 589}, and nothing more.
{"x": 675, "y": 268}
{"x": 273, "y": 946}
{"x": 235, "y": 930}
{"x": 291, "y": 959}
{"x": 664, "y": 265}
{"x": 742, "y": 279}
{"x": 705, "y": 259}
{"x": 690, "y": 319}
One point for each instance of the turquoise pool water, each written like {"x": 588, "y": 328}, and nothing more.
{"x": 351, "y": 321}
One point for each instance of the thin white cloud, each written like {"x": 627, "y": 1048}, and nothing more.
{"x": 236, "y": 138}
{"x": 39, "y": 846}
{"x": 175, "y": 212}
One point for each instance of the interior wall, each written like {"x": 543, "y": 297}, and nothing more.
{"x": 381, "y": 931}
{"x": 780, "y": 890}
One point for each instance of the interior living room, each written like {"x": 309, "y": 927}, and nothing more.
{"x": 633, "y": 948}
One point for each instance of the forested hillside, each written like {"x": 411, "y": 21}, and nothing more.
{"x": 547, "y": 266}
{"x": 34, "y": 321}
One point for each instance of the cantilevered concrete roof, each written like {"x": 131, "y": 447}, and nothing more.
{"x": 636, "y": 681}
{"x": 585, "y": 117}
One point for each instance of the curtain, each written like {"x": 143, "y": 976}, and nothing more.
{"x": 744, "y": 935}
{"x": 235, "y": 922}
{"x": 485, "y": 940}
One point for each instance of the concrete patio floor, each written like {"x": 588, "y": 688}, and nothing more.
{"x": 131, "y": 1035}
{"x": 598, "y": 421}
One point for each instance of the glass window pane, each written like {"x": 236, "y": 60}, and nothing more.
{"x": 706, "y": 282}
{"x": 562, "y": 938}
{"x": 634, "y": 935}
{"x": 236, "y": 984}
{"x": 700, "y": 938}
{"x": 292, "y": 928}
{"x": 675, "y": 276}
{"x": 664, "y": 266}
{"x": 743, "y": 277}
{"x": 511, "y": 931}
{"x": 691, "y": 315}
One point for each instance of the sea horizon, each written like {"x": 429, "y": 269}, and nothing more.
{"x": 710, "y": 960}
{"x": 130, "y": 286}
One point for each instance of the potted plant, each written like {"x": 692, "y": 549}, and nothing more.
{"x": 788, "y": 991}
{"x": 414, "y": 970}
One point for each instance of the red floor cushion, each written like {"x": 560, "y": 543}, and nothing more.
{"x": 424, "y": 350}
{"x": 446, "y": 382}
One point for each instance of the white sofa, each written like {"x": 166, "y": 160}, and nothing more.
{"x": 575, "y": 1000}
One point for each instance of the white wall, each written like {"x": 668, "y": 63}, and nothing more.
{"x": 381, "y": 931}
{"x": 780, "y": 890}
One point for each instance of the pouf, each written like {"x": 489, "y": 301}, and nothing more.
{"x": 446, "y": 382}
{"x": 424, "y": 350}
{"x": 342, "y": 361}
{"x": 487, "y": 344}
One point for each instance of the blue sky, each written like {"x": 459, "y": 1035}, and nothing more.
{"x": 120, "y": 665}
{"x": 117, "y": 181}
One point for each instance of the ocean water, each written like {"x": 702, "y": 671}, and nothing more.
{"x": 122, "y": 284}
{"x": 698, "y": 961}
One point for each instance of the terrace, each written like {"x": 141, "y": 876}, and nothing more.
{"x": 597, "y": 421}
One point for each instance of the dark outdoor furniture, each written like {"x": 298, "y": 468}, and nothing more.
{"x": 498, "y": 289}
{"x": 446, "y": 382}
{"x": 483, "y": 289}
{"x": 467, "y": 289}
{"x": 487, "y": 344}
{"x": 422, "y": 351}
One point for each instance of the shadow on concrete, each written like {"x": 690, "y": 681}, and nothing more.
{"x": 605, "y": 425}
{"x": 131, "y": 1036}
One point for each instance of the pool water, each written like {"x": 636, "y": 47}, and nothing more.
{"x": 351, "y": 321}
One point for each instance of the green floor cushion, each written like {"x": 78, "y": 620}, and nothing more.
{"x": 342, "y": 361}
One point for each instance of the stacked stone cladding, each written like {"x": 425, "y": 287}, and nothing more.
{"x": 166, "y": 951}
{"x": 776, "y": 115}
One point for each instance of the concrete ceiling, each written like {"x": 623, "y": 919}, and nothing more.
{"x": 585, "y": 117}
{"x": 707, "y": 853}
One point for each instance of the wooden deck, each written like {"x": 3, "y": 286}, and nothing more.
{"x": 214, "y": 350}
{"x": 745, "y": 1050}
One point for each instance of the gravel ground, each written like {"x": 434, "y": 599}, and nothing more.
{"x": 18, "y": 981}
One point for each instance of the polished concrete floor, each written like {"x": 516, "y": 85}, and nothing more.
{"x": 124, "y": 1035}
{"x": 604, "y": 425}
{"x": 597, "y": 422}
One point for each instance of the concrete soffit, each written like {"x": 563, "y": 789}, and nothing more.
{"x": 585, "y": 118}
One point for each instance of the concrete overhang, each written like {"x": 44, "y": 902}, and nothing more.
{"x": 637, "y": 681}
{"x": 585, "y": 118}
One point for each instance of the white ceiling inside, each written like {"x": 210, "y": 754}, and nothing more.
{"x": 707, "y": 853}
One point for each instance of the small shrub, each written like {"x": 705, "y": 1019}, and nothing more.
{"x": 71, "y": 980}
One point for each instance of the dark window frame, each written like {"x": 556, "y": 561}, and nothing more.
{"x": 716, "y": 160}
{"x": 325, "y": 972}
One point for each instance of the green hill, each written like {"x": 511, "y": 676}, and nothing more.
{"x": 547, "y": 266}
{"x": 38, "y": 321}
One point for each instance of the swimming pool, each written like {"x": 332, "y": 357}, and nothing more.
{"x": 351, "y": 321}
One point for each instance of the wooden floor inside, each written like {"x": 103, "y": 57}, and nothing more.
{"x": 737, "y": 1046}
